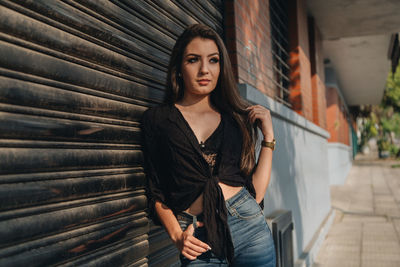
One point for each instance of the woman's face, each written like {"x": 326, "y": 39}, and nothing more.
{"x": 200, "y": 66}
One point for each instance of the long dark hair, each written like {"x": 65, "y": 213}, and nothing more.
{"x": 225, "y": 97}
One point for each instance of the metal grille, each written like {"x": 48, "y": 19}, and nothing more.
{"x": 279, "y": 45}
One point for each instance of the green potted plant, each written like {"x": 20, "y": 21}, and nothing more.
{"x": 383, "y": 148}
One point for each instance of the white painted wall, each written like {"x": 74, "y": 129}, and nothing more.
{"x": 300, "y": 178}
{"x": 340, "y": 158}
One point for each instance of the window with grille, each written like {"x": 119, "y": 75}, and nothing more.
{"x": 280, "y": 46}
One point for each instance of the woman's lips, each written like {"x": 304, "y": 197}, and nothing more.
{"x": 203, "y": 82}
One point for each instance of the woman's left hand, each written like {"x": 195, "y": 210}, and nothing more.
{"x": 263, "y": 115}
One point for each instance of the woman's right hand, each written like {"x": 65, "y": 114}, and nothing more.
{"x": 190, "y": 246}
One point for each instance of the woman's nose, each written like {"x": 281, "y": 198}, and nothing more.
{"x": 204, "y": 67}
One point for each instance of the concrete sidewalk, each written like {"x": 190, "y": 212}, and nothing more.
{"x": 366, "y": 229}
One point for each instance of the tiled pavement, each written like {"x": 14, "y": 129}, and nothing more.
{"x": 366, "y": 229}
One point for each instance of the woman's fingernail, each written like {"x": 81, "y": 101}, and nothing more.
{"x": 209, "y": 248}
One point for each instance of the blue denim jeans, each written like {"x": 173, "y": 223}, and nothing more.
{"x": 251, "y": 236}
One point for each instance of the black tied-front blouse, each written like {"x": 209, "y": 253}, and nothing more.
{"x": 178, "y": 172}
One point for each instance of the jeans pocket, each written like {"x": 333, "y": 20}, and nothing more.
{"x": 247, "y": 209}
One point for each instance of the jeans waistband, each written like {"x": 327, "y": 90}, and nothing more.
{"x": 238, "y": 198}
{"x": 235, "y": 200}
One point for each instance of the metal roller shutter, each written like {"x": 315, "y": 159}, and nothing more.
{"x": 75, "y": 77}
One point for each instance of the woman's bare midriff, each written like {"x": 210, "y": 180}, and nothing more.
{"x": 197, "y": 205}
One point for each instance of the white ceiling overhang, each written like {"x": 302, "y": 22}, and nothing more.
{"x": 356, "y": 37}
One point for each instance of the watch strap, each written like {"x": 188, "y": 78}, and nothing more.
{"x": 269, "y": 144}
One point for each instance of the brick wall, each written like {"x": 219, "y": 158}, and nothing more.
{"x": 300, "y": 87}
{"x": 249, "y": 44}
{"x": 336, "y": 118}
{"x": 317, "y": 75}
{"x": 248, "y": 39}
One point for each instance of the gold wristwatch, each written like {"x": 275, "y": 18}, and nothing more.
{"x": 269, "y": 144}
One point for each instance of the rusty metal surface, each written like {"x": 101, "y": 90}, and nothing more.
{"x": 75, "y": 78}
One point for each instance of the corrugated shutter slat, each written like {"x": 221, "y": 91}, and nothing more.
{"x": 75, "y": 78}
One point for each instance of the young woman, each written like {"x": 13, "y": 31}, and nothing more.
{"x": 204, "y": 184}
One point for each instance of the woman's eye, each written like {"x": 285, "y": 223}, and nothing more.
{"x": 214, "y": 60}
{"x": 192, "y": 60}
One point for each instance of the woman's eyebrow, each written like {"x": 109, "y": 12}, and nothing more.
{"x": 191, "y": 54}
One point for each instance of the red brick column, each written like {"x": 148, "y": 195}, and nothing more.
{"x": 336, "y": 119}
{"x": 317, "y": 75}
{"x": 300, "y": 87}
